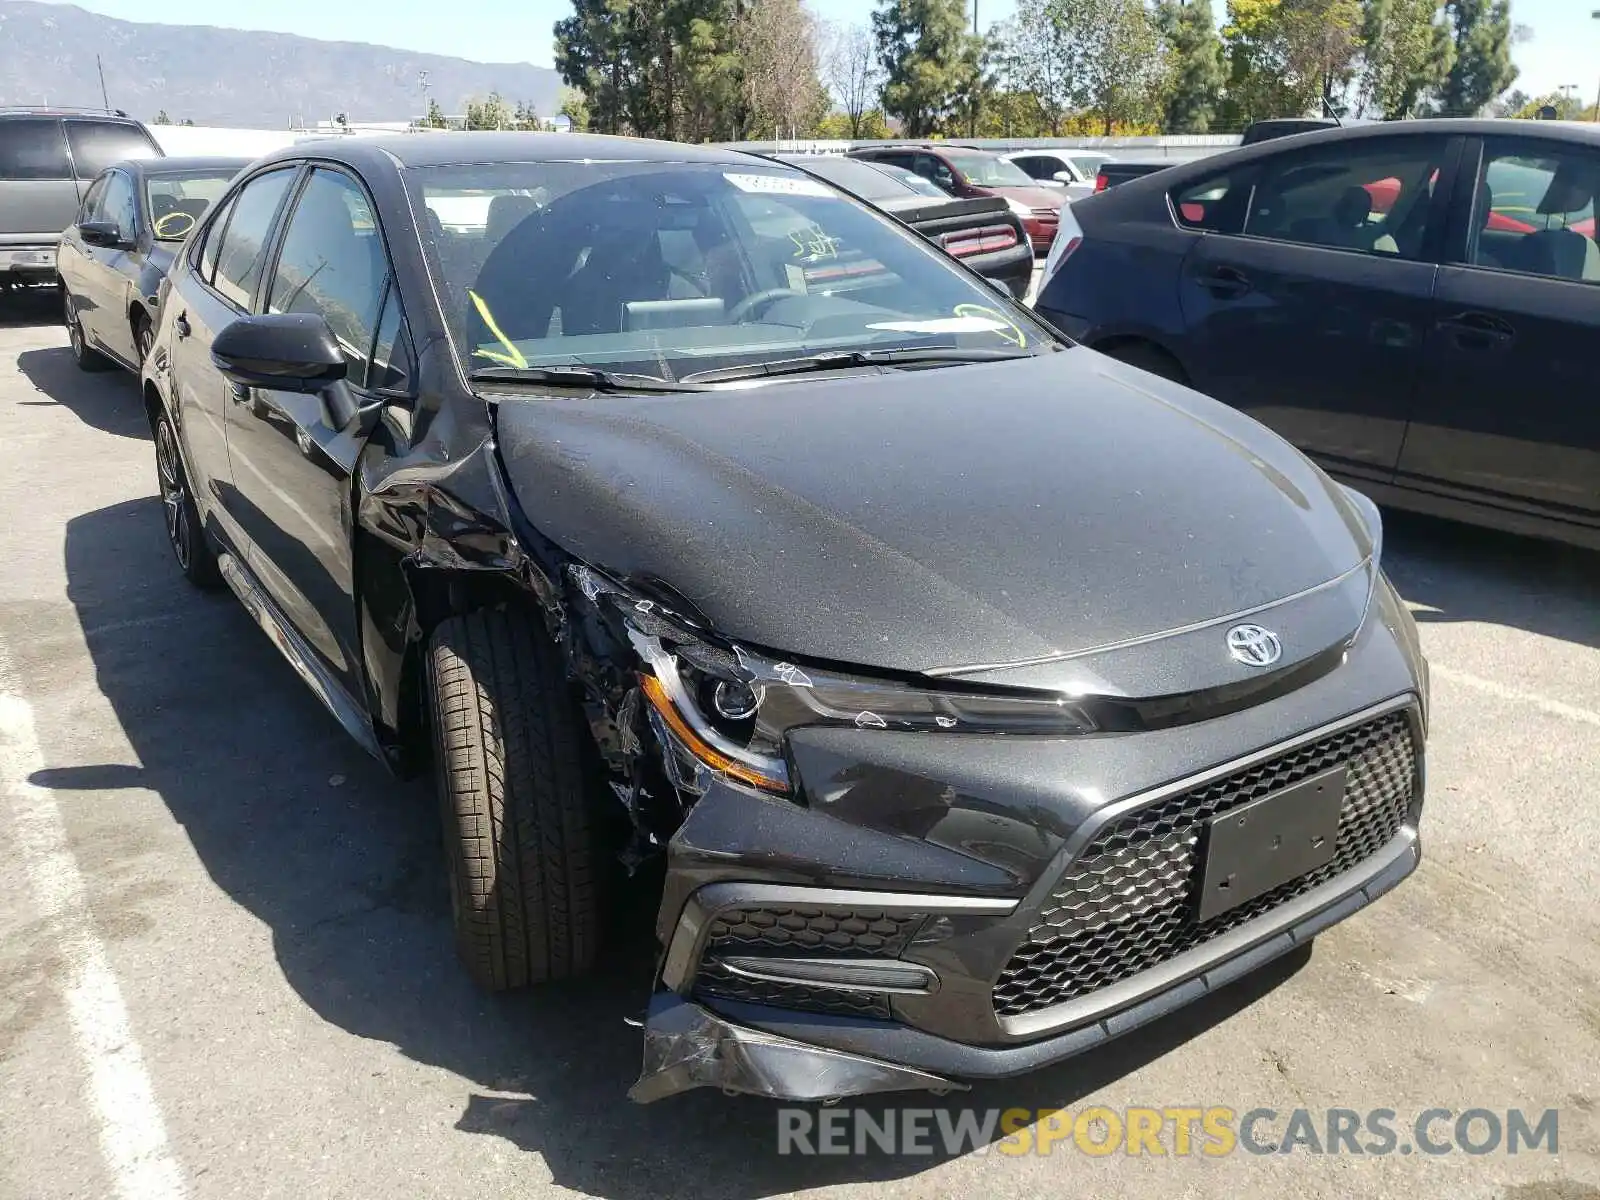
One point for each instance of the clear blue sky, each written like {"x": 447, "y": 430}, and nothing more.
{"x": 1565, "y": 47}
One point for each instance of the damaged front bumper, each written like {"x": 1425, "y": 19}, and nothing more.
{"x": 942, "y": 909}
{"x": 687, "y": 1046}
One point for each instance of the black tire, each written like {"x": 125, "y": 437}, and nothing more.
{"x": 185, "y": 534}
{"x": 144, "y": 336}
{"x": 1147, "y": 357}
{"x": 520, "y": 836}
{"x": 87, "y": 358}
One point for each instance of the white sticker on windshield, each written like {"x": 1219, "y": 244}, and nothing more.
{"x": 943, "y": 325}
{"x": 778, "y": 185}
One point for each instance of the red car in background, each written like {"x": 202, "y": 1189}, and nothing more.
{"x": 962, "y": 171}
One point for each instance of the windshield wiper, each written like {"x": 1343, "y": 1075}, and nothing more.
{"x": 579, "y": 377}
{"x": 838, "y": 360}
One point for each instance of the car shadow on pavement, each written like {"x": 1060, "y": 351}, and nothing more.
{"x": 344, "y": 865}
{"x": 1458, "y": 572}
{"x": 107, "y": 400}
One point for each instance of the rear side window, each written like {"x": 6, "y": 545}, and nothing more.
{"x": 1536, "y": 210}
{"x": 98, "y": 144}
{"x": 34, "y": 148}
{"x": 1216, "y": 204}
{"x": 243, "y": 250}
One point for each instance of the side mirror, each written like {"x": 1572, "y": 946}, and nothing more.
{"x": 1063, "y": 177}
{"x": 103, "y": 233}
{"x": 284, "y": 352}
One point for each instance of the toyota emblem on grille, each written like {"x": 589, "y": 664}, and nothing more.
{"x": 1254, "y": 646}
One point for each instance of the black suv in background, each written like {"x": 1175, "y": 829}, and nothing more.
{"x": 1415, "y": 304}
{"x": 48, "y": 158}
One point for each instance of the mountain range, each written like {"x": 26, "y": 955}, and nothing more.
{"x": 235, "y": 77}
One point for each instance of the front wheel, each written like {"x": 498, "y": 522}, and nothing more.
{"x": 520, "y": 836}
{"x": 185, "y": 535}
{"x": 143, "y": 338}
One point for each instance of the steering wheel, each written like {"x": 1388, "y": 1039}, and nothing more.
{"x": 172, "y": 225}
{"x": 761, "y": 299}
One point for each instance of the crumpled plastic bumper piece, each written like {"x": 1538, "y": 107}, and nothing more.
{"x": 687, "y": 1046}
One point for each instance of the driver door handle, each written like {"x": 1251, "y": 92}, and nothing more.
{"x": 1478, "y": 331}
{"x": 1225, "y": 283}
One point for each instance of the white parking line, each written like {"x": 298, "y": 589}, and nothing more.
{"x": 133, "y": 1138}
{"x": 1555, "y": 708}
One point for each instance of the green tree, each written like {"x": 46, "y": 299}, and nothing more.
{"x": 575, "y": 108}
{"x": 929, "y": 60}
{"x": 1407, "y": 53}
{"x": 1567, "y": 107}
{"x": 493, "y": 113}
{"x": 162, "y": 118}
{"x": 1123, "y": 62}
{"x": 1482, "y": 32}
{"x": 435, "y": 118}
{"x": 1042, "y": 64}
{"x": 1287, "y": 58}
{"x": 1195, "y": 51}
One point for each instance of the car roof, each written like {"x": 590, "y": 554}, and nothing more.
{"x": 109, "y": 116}
{"x": 1180, "y": 171}
{"x": 189, "y": 164}
{"x": 1575, "y": 131}
{"x": 457, "y": 148}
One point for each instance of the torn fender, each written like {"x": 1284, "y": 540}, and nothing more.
{"x": 687, "y": 1046}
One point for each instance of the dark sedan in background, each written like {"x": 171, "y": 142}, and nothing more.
{"x": 985, "y": 698}
{"x": 1415, "y": 304}
{"x": 981, "y": 231}
{"x": 112, "y": 259}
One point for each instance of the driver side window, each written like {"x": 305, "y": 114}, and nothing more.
{"x": 932, "y": 168}
{"x": 91, "y": 200}
{"x": 116, "y": 203}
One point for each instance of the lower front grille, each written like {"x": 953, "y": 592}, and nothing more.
{"x": 1126, "y": 904}
{"x": 806, "y": 932}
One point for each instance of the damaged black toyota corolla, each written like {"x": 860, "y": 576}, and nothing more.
{"x": 986, "y": 698}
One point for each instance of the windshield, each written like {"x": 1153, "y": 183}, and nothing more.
{"x": 176, "y": 202}
{"x": 986, "y": 170}
{"x": 673, "y": 269}
{"x": 1088, "y": 164}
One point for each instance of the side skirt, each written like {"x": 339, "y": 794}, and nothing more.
{"x": 345, "y": 709}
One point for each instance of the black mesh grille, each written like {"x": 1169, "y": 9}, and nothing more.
{"x": 802, "y": 932}
{"x": 1126, "y": 905}
{"x": 716, "y": 980}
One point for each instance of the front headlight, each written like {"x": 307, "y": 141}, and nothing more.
{"x": 728, "y": 709}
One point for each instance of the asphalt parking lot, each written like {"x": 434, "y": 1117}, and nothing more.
{"x": 225, "y": 961}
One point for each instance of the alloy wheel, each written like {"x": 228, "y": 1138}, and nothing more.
{"x": 174, "y": 494}
{"x": 74, "y": 328}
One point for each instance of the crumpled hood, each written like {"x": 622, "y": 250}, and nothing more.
{"x": 930, "y": 519}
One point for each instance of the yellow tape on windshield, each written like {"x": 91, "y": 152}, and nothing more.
{"x": 512, "y": 357}
{"x": 1011, "y": 333}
